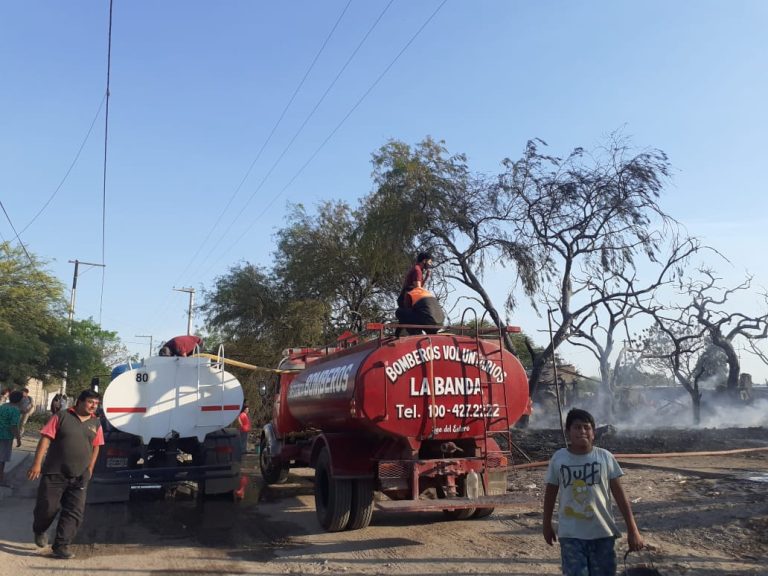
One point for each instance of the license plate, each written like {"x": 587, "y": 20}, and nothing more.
{"x": 117, "y": 462}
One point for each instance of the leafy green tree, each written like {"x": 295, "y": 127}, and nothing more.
{"x": 36, "y": 340}
{"x": 32, "y": 312}
{"x": 252, "y": 314}
{"x": 322, "y": 257}
{"x": 425, "y": 197}
{"x": 88, "y": 351}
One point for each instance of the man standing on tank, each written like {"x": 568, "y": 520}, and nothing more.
{"x": 64, "y": 460}
{"x": 416, "y": 277}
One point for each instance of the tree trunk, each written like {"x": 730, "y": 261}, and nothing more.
{"x": 605, "y": 398}
{"x": 696, "y": 402}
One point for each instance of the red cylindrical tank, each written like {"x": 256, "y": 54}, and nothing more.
{"x": 438, "y": 386}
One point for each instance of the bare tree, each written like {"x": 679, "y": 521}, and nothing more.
{"x": 673, "y": 345}
{"x": 686, "y": 331}
{"x": 613, "y": 299}
{"x": 592, "y": 216}
{"x": 708, "y": 309}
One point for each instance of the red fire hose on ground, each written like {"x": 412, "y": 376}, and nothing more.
{"x": 543, "y": 463}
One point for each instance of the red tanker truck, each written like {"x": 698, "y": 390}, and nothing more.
{"x": 423, "y": 420}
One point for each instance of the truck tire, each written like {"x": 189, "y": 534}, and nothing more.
{"x": 483, "y": 512}
{"x": 272, "y": 471}
{"x": 457, "y": 513}
{"x": 333, "y": 497}
{"x": 460, "y": 514}
{"x": 362, "y": 504}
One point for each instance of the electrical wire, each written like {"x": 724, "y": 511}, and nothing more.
{"x": 339, "y": 125}
{"x": 71, "y": 166}
{"x": 18, "y": 238}
{"x": 299, "y": 131}
{"x": 104, "y": 169}
{"x": 163, "y": 306}
{"x": 267, "y": 141}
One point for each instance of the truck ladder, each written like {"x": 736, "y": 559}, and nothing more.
{"x": 487, "y": 396}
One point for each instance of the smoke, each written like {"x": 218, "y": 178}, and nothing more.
{"x": 717, "y": 411}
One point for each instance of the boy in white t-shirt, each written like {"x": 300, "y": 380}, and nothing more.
{"x": 585, "y": 477}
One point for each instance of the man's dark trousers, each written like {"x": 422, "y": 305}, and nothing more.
{"x": 57, "y": 492}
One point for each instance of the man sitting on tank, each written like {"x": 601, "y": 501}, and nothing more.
{"x": 182, "y": 346}
{"x": 422, "y": 308}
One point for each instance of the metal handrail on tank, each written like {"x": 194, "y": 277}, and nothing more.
{"x": 220, "y": 361}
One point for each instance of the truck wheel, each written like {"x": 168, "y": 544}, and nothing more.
{"x": 272, "y": 471}
{"x": 460, "y": 514}
{"x": 482, "y": 512}
{"x": 333, "y": 497}
{"x": 456, "y": 514}
{"x": 362, "y": 504}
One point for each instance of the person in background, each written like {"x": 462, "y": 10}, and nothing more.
{"x": 416, "y": 277}
{"x": 64, "y": 460}
{"x": 10, "y": 416}
{"x": 244, "y": 425}
{"x": 585, "y": 477}
{"x": 56, "y": 404}
{"x": 182, "y": 346}
{"x": 26, "y": 407}
{"x": 4, "y": 394}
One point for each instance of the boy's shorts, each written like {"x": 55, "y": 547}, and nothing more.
{"x": 588, "y": 557}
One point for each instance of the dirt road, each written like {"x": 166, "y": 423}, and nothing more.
{"x": 703, "y": 516}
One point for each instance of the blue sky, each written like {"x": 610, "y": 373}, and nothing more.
{"x": 196, "y": 88}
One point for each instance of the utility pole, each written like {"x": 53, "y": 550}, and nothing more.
{"x": 74, "y": 288}
{"x": 191, "y": 292}
{"x": 150, "y": 341}
{"x": 71, "y": 315}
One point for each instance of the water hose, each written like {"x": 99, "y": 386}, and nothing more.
{"x": 542, "y": 463}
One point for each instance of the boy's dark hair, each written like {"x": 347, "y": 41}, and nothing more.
{"x": 85, "y": 394}
{"x": 15, "y": 397}
{"x": 578, "y": 414}
{"x": 423, "y": 256}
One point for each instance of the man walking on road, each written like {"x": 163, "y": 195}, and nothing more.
{"x": 9, "y": 431}
{"x": 26, "y": 407}
{"x": 64, "y": 460}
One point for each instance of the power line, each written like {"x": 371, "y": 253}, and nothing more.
{"x": 71, "y": 166}
{"x": 269, "y": 137}
{"x": 104, "y": 170}
{"x": 7, "y": 217}
{"x": 339, "y": 125}
{"x": 261, "y": 149}
{"x": 301, "y": 128}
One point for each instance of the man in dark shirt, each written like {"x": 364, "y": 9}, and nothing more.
{"x": 416, "y": 277}
{"x": 64, "y": 460}
{"x": 182, "y": 345}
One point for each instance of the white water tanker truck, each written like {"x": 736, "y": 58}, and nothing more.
{"x": 166, "y": 421}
